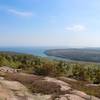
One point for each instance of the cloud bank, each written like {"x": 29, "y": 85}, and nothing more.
{"x": 76, "y": 28}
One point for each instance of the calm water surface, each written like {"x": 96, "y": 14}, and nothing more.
{"x": 37, "y": 51}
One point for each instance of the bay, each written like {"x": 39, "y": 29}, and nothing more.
{"x": 37, "y": 51}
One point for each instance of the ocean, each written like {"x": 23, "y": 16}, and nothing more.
{"x": 37, "y": 51}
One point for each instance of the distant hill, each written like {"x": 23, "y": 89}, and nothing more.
{"x": 12, "y": 53}
{"x": 86, "y": 54}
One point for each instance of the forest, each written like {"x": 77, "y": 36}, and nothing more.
{"x": 86, "y": 54}
{"x": 89, "y": 72}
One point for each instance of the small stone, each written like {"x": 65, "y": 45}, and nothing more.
{"x": 1, "y": 78}
{"x": 63, "y": 98}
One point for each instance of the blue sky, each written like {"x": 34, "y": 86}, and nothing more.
{"x": 50, "y": 23}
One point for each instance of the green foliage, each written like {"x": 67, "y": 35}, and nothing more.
{"x": 84, "y": 73}
{"x": 78, "y": 72}
{"x": 41, "y": 66}
{"x": 16, "y": 60}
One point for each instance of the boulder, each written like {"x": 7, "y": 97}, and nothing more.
{"x": 12, "y": 90}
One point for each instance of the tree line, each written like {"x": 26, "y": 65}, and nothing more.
{"x": 42, "y": 66}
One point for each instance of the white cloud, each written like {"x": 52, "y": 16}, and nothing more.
{"x": 20, "y": 13}
{"x": 76, "y": 28}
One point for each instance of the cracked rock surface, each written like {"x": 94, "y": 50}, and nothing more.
{"x": 13, "y": 90}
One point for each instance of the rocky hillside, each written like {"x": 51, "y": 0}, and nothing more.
{"x": 14, "y": 90}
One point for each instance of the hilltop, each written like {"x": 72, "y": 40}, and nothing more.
{"x": 51, "y": 79}
{"x": 43, "y": 88}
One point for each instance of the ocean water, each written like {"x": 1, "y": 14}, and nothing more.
{"x": 37, "y": 51}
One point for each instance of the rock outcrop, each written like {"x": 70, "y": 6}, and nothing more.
{"x": 13, "y": 90}
{"x": 6, "y": 69}
{"x": 72, "y": 93}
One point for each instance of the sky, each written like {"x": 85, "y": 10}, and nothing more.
{"x": 69, "y": 23}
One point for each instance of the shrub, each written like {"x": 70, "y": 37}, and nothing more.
{"x": 45, "y": 87}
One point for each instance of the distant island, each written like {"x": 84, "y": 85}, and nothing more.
{"x": 86, "y": 54}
